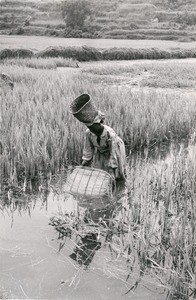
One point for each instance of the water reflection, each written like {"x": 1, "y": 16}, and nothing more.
{"x": 22, "y": 204}
{"x": 85, "y": 249}
{"x": 84, "y": 227}
{"x": 90, "y": 252}
{"x": 57, "y": 260}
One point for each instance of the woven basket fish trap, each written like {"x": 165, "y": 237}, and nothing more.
{"x": 84, "y": 109}
{"x": 92, "y": 187}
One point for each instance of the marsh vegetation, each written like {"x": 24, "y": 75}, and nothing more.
{"x": 152, "y": 107}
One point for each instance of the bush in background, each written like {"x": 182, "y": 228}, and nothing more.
{"x": 75, "y": 12}
{"x": 16, "y": 53}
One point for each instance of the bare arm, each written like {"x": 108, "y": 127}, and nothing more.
{"x": 88, "y": 150}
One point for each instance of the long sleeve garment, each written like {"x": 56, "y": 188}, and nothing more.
{"x": 107, "y": 154}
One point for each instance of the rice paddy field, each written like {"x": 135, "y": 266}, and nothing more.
{"x": 147, "y": 248}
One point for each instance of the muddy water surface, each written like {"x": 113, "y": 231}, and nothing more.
{"x": 32, "y": 268}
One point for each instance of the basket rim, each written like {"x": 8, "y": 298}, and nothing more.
{"x": 80, "y": 170}
{"x": 74, "y": 113}
{"x": 92, "y": 169}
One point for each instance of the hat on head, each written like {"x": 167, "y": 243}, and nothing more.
{"x": 85, "y": 110}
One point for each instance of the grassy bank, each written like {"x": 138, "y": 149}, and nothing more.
{"x": 85, "y": 53}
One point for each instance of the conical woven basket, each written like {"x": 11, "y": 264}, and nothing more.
{"x": 84, "y": 109}
{"x": 92, "y": 187}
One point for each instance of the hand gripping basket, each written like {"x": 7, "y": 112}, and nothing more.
{"x": 92, "y": 187}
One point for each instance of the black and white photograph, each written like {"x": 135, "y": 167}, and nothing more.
{"x": 98, "y": 149}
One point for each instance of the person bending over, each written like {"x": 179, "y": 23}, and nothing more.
{"x": 103, "y": 148}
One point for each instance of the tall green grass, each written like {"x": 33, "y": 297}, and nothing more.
{"x": 39, "y": 135}
{"x": 162, "y": 74}
{"x": 38, "y": 130}
{"x": 161, "y": 221}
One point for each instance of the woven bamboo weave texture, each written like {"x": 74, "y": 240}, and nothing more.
{"x": 84, "y": 109}
{"x": 89, "y": 182}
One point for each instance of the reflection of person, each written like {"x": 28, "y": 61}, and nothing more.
{"x": 85, "y": 249}
{"x": 103, "y": 148}
{"x": 100, "y": 216}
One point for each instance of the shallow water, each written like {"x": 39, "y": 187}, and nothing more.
{"x": 32, "y": 268}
